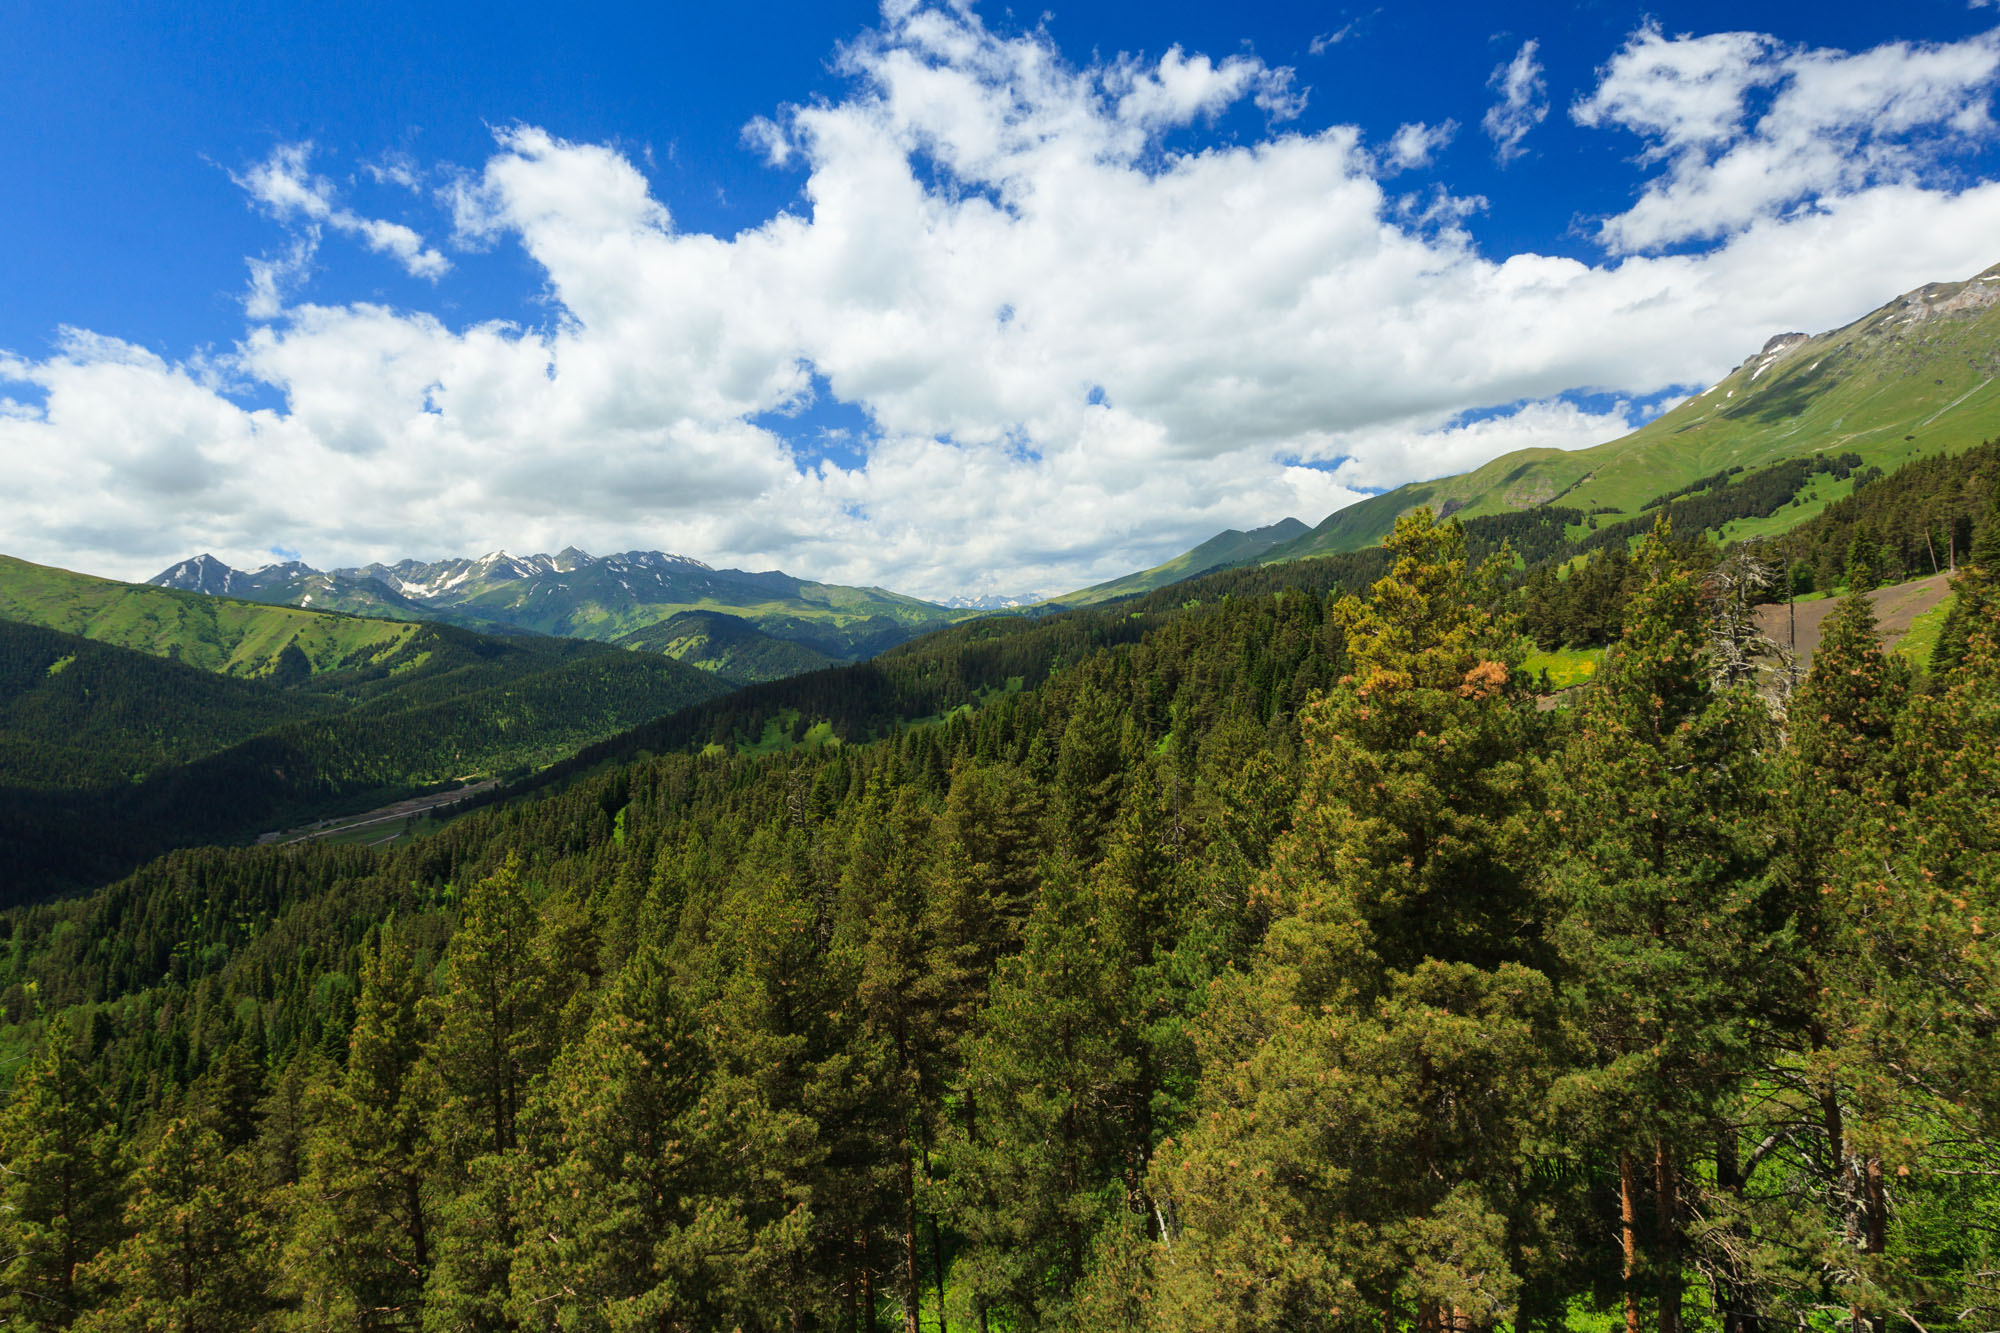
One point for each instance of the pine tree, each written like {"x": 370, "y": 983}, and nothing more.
{"x": 627, "y": 1223}
{"x": 1358, "y": 1167}
{"x": 195, "y": 1260}
{"x": 987, "y": 870}
{"x": 1839, "y": 767}
{"x": 1916, "y": 883}
{"x": 59, "y": 1147}
{"x": 1975, "y": 592}
{"x": 798, "y": 1082}
{"x": 1088, "y": 776}
{"x": 1050, "y": 1104}
{"x": 1353, "y": 1156}
{"x": 1658, "y": 903}
{"x": 494, "y": 1031}
{"x": 493, "y": 1028}
{"x": 360, "y": 1250}
{"x": 1416, "y": 816}
{"x": 908, "y": 1006}
{"x": 231, "y": 1093}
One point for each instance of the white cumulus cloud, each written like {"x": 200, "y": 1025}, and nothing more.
{"x": 1414, "y": 144}
{"x": 1077, "y": 351}
{"x": 285, "y": 186}
{"x": 1749, "y": 127}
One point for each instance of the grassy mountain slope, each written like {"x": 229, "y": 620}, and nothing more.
{"x": 1919, "y": 376}
{"x": 1218, "y": 552}
{"x": 727, "y": 645}
{"x": 211, "y": 633}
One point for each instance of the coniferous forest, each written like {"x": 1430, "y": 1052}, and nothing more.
{"x": 1278, "y": 965}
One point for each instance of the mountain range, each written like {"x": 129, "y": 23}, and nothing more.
{"x": 607, "y": 598}
{"x": 134, "y": 718}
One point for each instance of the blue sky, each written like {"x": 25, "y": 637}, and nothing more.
{"x": 954, "y": 300}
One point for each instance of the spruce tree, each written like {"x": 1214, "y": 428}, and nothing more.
{"x": 59, "y": 1201}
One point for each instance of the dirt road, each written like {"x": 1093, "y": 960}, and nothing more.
{"x": 416, "y": 805}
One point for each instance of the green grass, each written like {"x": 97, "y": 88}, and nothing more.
{"x": 1567, "y": 667}
{"x": 777, "y": 735}
{"x": 211, "y": 633}
{"x": 1885, "y": 390}
{"x": 1916, "y": 645}
{"x": 1219, "y": 551}
{"x": 1810, "y": 502}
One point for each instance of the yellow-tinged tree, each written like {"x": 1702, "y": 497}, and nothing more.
{"x": 1357, "y": 1156}
{"x": 196, "y": 1259}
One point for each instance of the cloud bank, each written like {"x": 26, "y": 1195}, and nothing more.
{"x": 1078, "y": 351}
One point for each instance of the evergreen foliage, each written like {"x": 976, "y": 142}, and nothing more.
{"x": 1249, "y": 956}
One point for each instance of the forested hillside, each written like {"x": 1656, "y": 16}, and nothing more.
{"x": 110, "y": 756}
{"x": 728, "y": 646}
{"x": 1270, "y": 964}
{"x": 212, "y": 633}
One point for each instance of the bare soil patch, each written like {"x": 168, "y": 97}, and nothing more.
{"x": 1895, "y": 608}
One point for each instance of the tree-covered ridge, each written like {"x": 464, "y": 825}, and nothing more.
{"x": 1920, "y": 519}
{"x": 74, "y": 713}
{"x": 728, "y": 646}
{"x": 1275, "y": 966}
{"x": 109, "y": 757}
